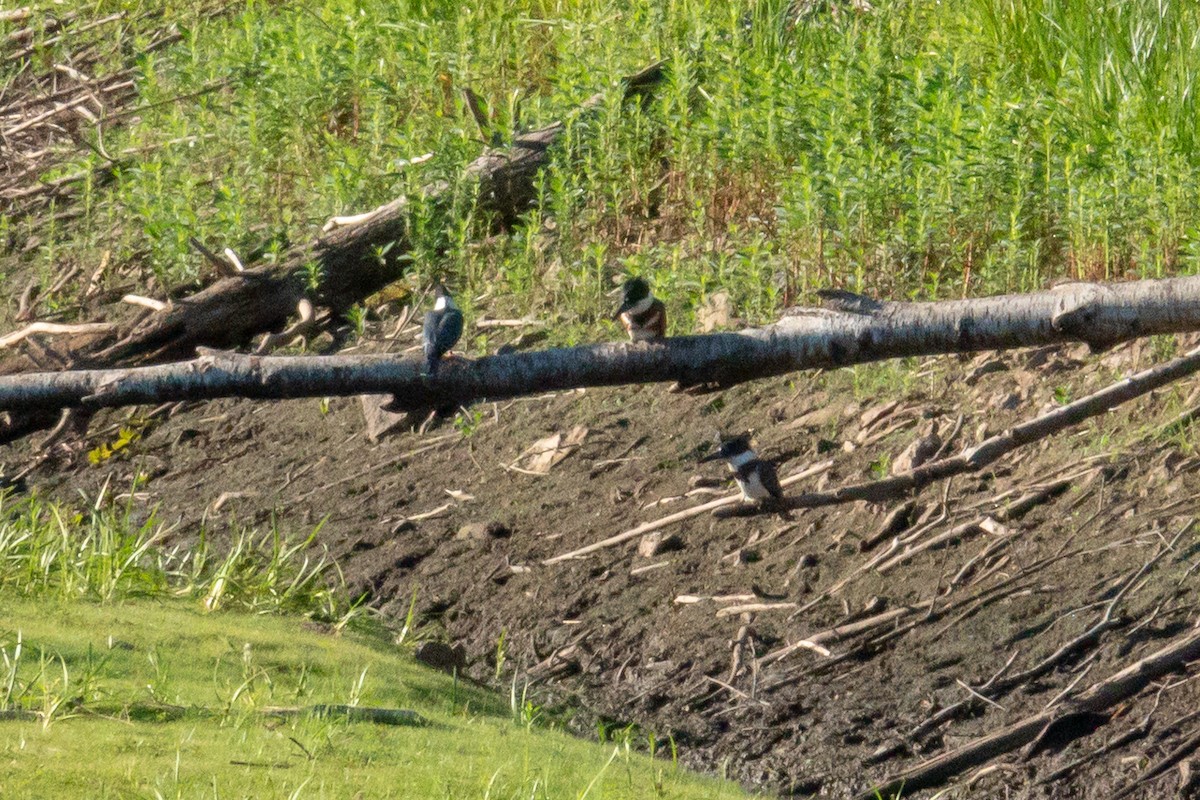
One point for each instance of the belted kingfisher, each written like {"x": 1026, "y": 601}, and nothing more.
{"x": 755, "y": 477}
{"x": 443, "y": 326}
{"x": 643, "y": 315}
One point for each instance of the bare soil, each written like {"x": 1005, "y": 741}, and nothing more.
{"x": 618, "y": 638}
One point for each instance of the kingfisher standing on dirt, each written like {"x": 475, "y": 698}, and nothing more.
{"x": 756, "y": 478}
{"x": 443, "y": 327}
{"x": 643, "y": 315}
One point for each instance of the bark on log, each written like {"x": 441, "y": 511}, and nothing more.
{"x": 354, "y": 262}
{"x": 1099, "y": 315}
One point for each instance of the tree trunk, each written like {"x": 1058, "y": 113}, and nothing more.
{"x": 806, "y": 339}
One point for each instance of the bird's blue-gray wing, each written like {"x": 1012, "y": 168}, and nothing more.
{"x": 430, "y": 332}
{"x": 770, "y": 479}
{"x": 449, "y": 330}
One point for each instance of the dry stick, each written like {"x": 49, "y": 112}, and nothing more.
{"x": 990, "y": 450}
{"x": 838, "y": 632}
{"x": 1097, "y": 698}
{"x": 1131, "y": 735}
{"x": 1004, "y": 537}
{"x": 963, "y": 531}
{"x": 878, "y": 558}
{"x": 753, "y": 608}
{"x": 430, "y": 445}
{"x": 54, "y": 328}
{"x": 679, "y": 516}
{"x": 1066, "y": 473}
{"x": 1088, "y": 638}
{"x": 1185, "y": 749}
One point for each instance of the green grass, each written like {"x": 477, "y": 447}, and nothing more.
{"x": 927, "y": 149}
{"x": 142, "y": 670}
{"x": 168, "y": 696}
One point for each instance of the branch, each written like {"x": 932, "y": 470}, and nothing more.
{"x": 991, "y": 450}
{"x": 814, "y": 338}
{"x": 1069, "y": 721}
{"x": 679, "y": 516}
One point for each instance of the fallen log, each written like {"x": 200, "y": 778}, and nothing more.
{"x": 810, "y": 339}
{"x": 1074, "y": 718}
{"x": 352, "y": 262}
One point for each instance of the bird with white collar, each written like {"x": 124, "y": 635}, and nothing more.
{"x": 643, "y": 315}
{"x": 443, "y": 327}
{"x": 756, "y": 477}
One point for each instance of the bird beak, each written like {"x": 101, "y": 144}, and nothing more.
{"x": 624, "y": 307}
{"x": 711, "y": 457}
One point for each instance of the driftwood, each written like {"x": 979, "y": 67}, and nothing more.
{"x": 352, "y": 262}
{"x": 1074, "y": 718}
{"x": 1098, "y": 315}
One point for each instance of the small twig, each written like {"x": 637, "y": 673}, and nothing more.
{"x": 437, "y": 512}
{"x": 147, "y": 302}
{"x": 1067, "y": 690}
{"x": 977, "y": 695}
{"x": 752, "y": 608}
{"x": 736, "y": 691}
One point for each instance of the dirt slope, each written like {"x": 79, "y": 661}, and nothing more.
{"x": 609, "y": 632}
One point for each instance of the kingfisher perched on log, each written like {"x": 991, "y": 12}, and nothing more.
{"x": 643, "y": 315}
{"x": 443, "y": 327}
{"x": 756, "y": 477}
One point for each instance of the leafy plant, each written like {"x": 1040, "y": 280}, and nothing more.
{"x": 126, "y": 436}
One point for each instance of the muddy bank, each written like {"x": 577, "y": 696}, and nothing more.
{"x": 909, "y": 614}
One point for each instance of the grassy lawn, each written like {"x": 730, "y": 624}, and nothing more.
{"x": 129, "y": 687}
{"x": 168, "y": 699}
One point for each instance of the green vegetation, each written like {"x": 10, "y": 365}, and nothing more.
{"x": 126, "y": 681}
{"x": 922, "y": 149}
